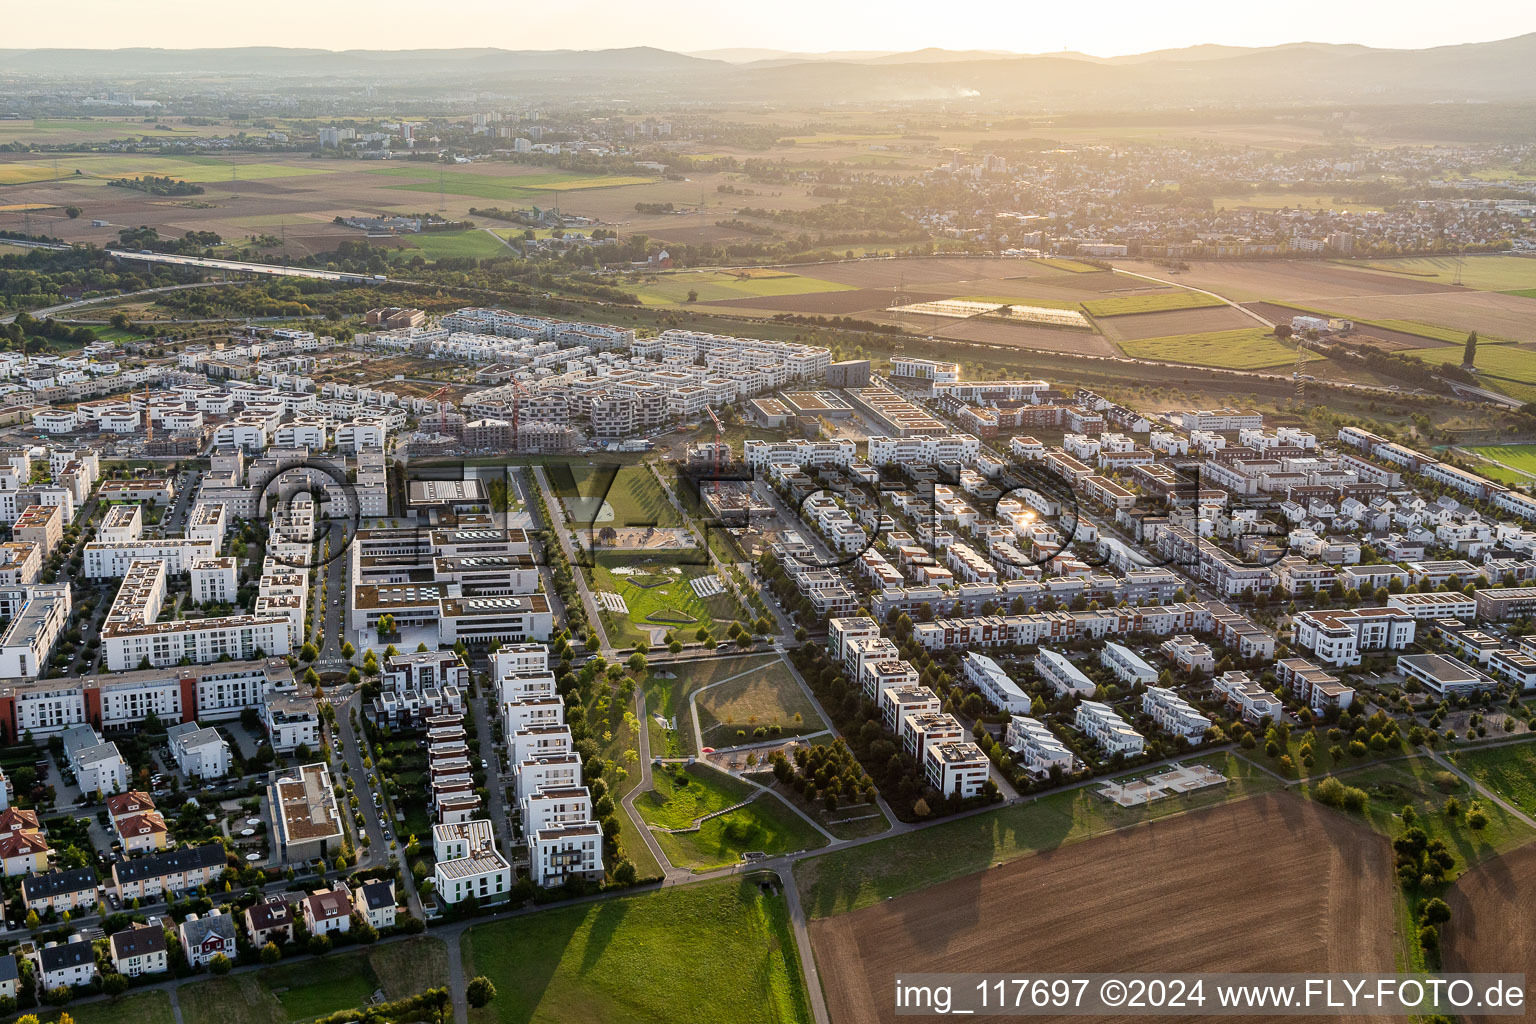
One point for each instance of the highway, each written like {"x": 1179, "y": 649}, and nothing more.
{"x": 239, "y": 267}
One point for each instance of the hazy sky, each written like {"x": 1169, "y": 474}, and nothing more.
{"x": 1105, "y": 27}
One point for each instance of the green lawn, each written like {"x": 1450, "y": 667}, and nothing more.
{"x": 769, "y": 697}
{"x": 848, "y": 879}
{"x": 300, "y": 991}
{"x": 132, "y": 1008}
{"x": 474, "y": 243}
{"x": 529, "y": 187}
{"x": 669, "y": 697}
{"x": 611, "y": 721}
{"x": 704, "y": 953}
{"x": 710, "y": 285}
{"x": 658, "y": 595}
{"x": 1508, "y": 771}
{"x": 1070, "y": 266}
{"x": 1510, "y": 369}
{"x": 1413, "y": 782}
{"x": 1127, "y": 305}
{"x": 630, "y": 492}
{"x": 1493, "y": 273}
{"x": 683, "y": 795}
{"x": 1515, "y": 456}
{"x": 1247, "y": 348}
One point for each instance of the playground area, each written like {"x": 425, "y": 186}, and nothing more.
{"x": 1173, "y": 782}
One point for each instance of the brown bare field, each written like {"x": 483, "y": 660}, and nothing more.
{"x": 858, "y": 300}
{"x": 935, "y": 270}
{"x": 1179, "y": 321}
{"x": 998, "y": 332}
{"x": 1273, "y": 883}
{"x": 1289, "y": 280}
{"x": 1490, "y": 929}
{"x": 1490, "y": 314}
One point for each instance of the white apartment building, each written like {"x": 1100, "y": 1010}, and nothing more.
{"x": 1173, "y": 714}
{"x": 1338, "y": 637}
{"x": 956, "y": 768}
{"x": 989, "y": 678}
{"x": 1061, "y": 675}
{"x": 562, "y": 852}
{"x": 1109, "y": 731}
{"x": 468, "y": 863}
{"x": 1127, "y": 665}
{"x": 200, "y": 753}
{"x": 924, "y": 451}
{"x": 1035, "y": 747}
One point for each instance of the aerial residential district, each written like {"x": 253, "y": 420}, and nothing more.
{"x": 754, "y": 536}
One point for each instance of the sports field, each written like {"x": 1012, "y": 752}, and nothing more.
{"x": 288, "y": 993}
{"x": 682, "y": 795}
{"x": 1515, "y": 456}
{"x": 1493, "y": 273}
{"x": 476, "y": 244}
{"x": 1248, "y": 348}
{"x": 1129, "y": 305}
{"x": 715, "y": 285}
{"x": 721, "y": 951}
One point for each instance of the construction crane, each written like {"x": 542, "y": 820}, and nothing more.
{"x": 149, "y": 421}
{"x": 517, "y": 391}
{"x": 440, "y": 396}
{"x": 719, "y": 441}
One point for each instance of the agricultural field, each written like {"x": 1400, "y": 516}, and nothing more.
{"x": 475, "y": 244}
{"x": 655, "y": 588}
{"x": 720, "y": 285}
{"x": 721, "y": 951}
{"x": 1129, "y": 305}
{"x": 1483, "y": 935}
{"x": 1248, "y": 348}
{"x": 83, "y": 130}
{"x": 1326, "y": 904}
{"x": 1292, "y": 200}
{"x": 1203, "y": 320}
{"x": 288, "y": 993}
{"x": 502, "y": 181}
{"x": 1520, "y": 457}
{"x": 766, "y": 698}
{"x": 1509, "y": 771}
{"x": 667, "y": 688}
{"x": 1510, "y": 369}
{"x": 682, "y": 795}
{"x": 200, "y": 170}
{"x": 1493, "y": 273}
{"x": 865, "y": 875}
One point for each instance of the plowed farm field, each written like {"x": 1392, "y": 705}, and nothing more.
{"x": 1182, "y": 321}
{"x": 1489, "y": 930}
{"x": 1270, "y": 884}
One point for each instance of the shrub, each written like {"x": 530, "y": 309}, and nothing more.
{"x": 1333, "y": 793}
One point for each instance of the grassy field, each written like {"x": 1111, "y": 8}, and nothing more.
{"x": 610, "y": 720}
{"x": 1417, "y": 782}
{"x": 769, "y": 697}
{"x": 1508, "y": 771}
{"x": 711, "y": 285}
{"x": 864, "y": 875}
{"x": 1248, "y": 348}
{"x": 530, "y": 187}
{"x": 1070, "y": 266}
{"x": 1491, "y": 273}
{"x": 1128, "y": 305}
{"x": 133, "y": 1008}
{"x": 684, "y": 795}
{"x": 1293, "y": 200}
{"x": 1515, "y": 456}
{"x": 288, "y": 993}
{"x": 669, "y": 697}
{"x": 717, "y": 952}
{"x": 1510, "y": 369}
{"x": 474, "y": 243}
{"x": 201, "y": 170}
{"x": 631, "y": 492}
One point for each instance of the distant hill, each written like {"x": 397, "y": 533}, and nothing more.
{"x": 1200, "y": 75}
